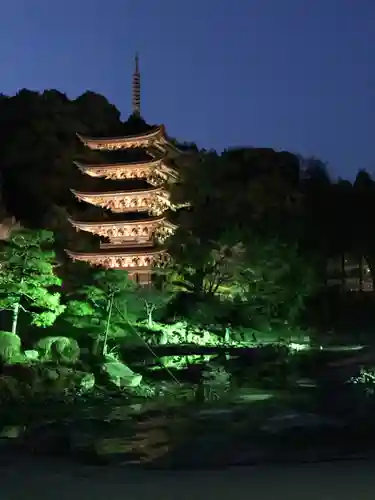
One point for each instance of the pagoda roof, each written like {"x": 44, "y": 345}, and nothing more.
{"x": 154, "y": 200}
{"x": 155, "y": 138}
{"x": 115, "y": 170}
{"x": 117, "y": 252}
{"x": 111, "y": 194}
{"x": 144, "y": 221}
{"x": 134, "y": 260}
{"x": 120, "y": 165}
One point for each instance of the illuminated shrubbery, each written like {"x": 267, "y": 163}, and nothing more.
{"x": 10, "y": 347}
{"x": 365, "y": 381}
{"x": 58, "y": 349}
{"x": 27, "y": 280}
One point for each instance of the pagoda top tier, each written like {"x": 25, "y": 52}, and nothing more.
{"x": 154, "y": 140}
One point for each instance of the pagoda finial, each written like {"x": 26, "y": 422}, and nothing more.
{"x": 136, "y": 88}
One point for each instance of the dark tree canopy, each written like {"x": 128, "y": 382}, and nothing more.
{"x": 242, "y": 198}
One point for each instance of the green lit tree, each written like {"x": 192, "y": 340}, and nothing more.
{"x": 272, "y": 280}
{"x": 27, "y": 279}
{"x": 151, "y": 302}
{"x": 104, "y": 306}
{"x": 109, "y": 304}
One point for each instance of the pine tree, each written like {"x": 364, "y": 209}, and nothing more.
{"x": 27, "y": 277}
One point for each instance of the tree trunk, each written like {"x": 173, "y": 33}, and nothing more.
{"x": 16, "y": 312}
{"x": 109, "y": 317}
{"x": 150, "y": 321}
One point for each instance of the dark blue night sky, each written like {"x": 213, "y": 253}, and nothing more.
{"x": 288, "y": 74}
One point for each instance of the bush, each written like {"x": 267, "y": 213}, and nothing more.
{"x": 365, "y": 381}
{"x": 58, "y": 349}
{"x": 10, "y": 347}
{"x": 23, "y": 383}
{"x": 216, "y": 382}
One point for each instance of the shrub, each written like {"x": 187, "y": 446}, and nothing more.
{"x": 365, "y": 381}
{"x": 216, "y": 381}
{"x": 58, "y": 349}
{"x": 10, "y": 347}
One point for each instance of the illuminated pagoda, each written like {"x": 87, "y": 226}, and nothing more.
{"x": 134, "y": 234}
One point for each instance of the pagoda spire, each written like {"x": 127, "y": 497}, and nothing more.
{"x": 136, "y": 88}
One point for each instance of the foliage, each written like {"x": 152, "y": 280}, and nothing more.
{"x": 39, "y": 382}
{"x": 10, "y": 347}
{"x": 109, "y": 303}
{"x": 180, "y": 332}
{"x": 105, "y": 306}
{"x": 274, "y": 283}
{"x": 38, "y": 145}
{"x": 216, "y": 382}
{"x": 58, "y": 349}
{"x": 250, "y": 256}
{"x": 239, "y": 205}
{"x": 365, "y": 380}
{"x": 150, "y": 301}
{"x": 27, "y": 278}
{"x": 94, "y": 306}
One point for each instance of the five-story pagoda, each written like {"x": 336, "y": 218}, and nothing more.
{"x": 134, "y": 236}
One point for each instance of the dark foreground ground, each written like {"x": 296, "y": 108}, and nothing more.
{"x": 49, "y": 479}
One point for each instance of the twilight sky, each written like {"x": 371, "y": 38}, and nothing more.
{"x": 289, "y": 74}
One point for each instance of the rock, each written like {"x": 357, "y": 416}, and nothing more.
{"x": 306, "y": 382}
{"x": 31, "y": 355}
{"x": 12, "y": 431}
{"x": 51, "y": 374}
{"x": 121, "y": 375}
{"x": 252, "y": 395}
{"x": 87, "y": 382}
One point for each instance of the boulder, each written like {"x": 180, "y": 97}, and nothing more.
{"x": 31, "y": 355}
{"x": 12, "y": 431}
{"x": 87, "y": 382}
{"x": 121, "y": 375}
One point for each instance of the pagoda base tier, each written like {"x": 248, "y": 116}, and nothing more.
{"x": 139, "y": 263}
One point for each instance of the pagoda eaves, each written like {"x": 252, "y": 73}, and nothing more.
{"x": 148, "y": 170}
{"x": 143, "y": 231}
{"x": 132, "y": 259}
{"x": 153, "y": 201}
{"x": 155, "y": 138}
